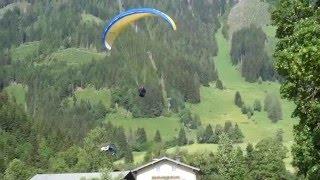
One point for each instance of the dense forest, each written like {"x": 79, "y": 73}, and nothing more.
{"x": 55, "y": 131}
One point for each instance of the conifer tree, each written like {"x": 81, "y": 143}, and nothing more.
{"x": 182, "y": 138}
{"x": 157, "y": 137}
{"x": 238, "y": 100}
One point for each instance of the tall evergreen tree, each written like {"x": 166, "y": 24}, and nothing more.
{"x": 219, "y": 84}
{"x": 182, "y": 138}
{"x": 238, "y": 100}
{"x": 268, "y": 102}
{"x": 272, "y": 105}
{"x": 218, "y": 131}
{"x": 225, "y": 156}
{"x": 141, "y": 136}
{"x": 17, "y": 170}
{"x": 275, "y": 111}
{"x": 249, "y": 157}
{"x": 237, "y": 136}
{"x": 268, "y": 160}
{"x": 257, "y": 105}
{"x": 248, "y": 50}
{"x": 208, "y": 135}
{"x": 279, "y": 135}
{"x": 157, "y": 137}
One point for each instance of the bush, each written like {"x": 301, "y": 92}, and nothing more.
{"x": 238, "y": 100}
{"x": 219, "y": 84}
{"x": 171, "y": 143}
{"x": 250, "y": 112}
{"x": 257, "y": 105}
{"x": 244, "y": 109}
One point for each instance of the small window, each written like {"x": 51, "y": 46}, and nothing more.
{"x": 173, "y": 168}
{"x": 158, "y": 168}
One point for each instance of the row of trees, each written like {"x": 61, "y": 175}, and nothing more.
{"x": 207, "y": 135}
{"x": 272, "y": 106}
{"x": 265, "y": 160}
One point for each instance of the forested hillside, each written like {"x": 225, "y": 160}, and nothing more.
{"x": 211, "y": 86}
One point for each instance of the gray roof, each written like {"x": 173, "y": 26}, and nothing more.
{"x": 76, "y": 176}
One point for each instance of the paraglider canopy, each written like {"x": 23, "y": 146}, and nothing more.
{"x": 118, "y": 23}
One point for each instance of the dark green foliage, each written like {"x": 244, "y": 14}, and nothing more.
{"x": 248, "y": 52}
{"x": 238, "y": 100}
{"x": 17, "y": 170}
{"x": 206, "y": 135}
{"x": 189, "y": 121}
{"x": 182, "y": 138}
{"x": 100, "y": 111}
{"x": 279, "y": 135}
{"x": 157, "y": 137}
{"x": 268, "y": 159}
{"x": 177, "y": 101}
{"x": 209, "y": 136}
{"x": 149, "y": 106}
{"x": 148, "y": 156}
{"x": 265, "y": 161}
{"x": 244, "y": 109}
{"x": 197, "y": 120}
{"x": 128, "y": 156}
{"x": 257, "y": 105}
{"x": 268, "y": 102}
{"x": 206, "y": 162}
{"x": 191, "y": 142}
{"x": 237, "y": 136}
{"x": 218, "y": 131}
{"x": 227, "y": 126}
{"x": 141, "y": 136}
{"x": 219, "y": 84}
{"x": 230, "y": 162}
{"x": 296, "y": 31}
{"x": 272, "y": 105}
{"x": 250, "y": 112}
{"x": 249, "y": 157}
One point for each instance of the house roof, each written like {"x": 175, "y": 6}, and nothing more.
{"x": 166, "y": 159}
{"x": 76, "y": 176}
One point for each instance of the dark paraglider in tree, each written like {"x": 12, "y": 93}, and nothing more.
{"x": 142, "y": 91}
{"x": 111, "y": 148}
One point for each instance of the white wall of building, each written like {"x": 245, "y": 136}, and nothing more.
{"x": 166, "y": 169}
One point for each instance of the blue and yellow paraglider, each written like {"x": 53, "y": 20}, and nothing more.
{"x": 118, "y": 23}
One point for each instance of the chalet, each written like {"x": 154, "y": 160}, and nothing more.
{"x": 159, "y": 169}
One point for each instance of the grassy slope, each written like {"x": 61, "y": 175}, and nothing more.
{"x": 217, "y": 106}
{"x": 94, "y": 96}
{"x": 24, "y": 50}
{"x": 17, "y": 91}
{"x": 168, "y": 126}
{"x": 76, "y": 56}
